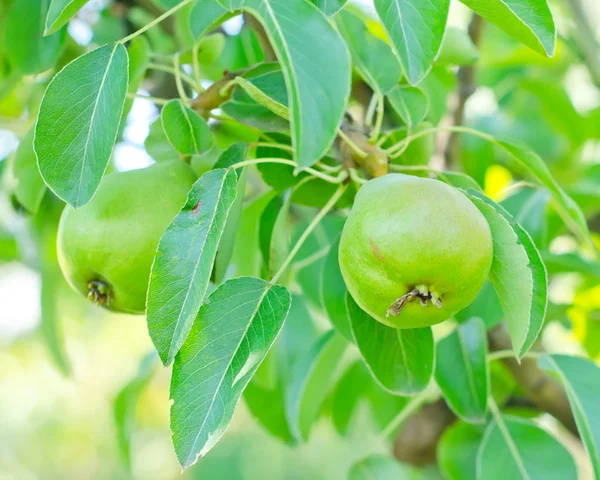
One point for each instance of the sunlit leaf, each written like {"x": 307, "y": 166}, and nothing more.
{"x": 317, "y": 78}
{"x": 60, "y": 12}
{"x": 416, "y": 29}
{"x": 232, "y": 334}
{"x": 184, "y": 261}
{"x": 566, "y": 207}
{"x": 79, "y": 121}
{"x": 529, "y": 21}
{"x": 518, "y": 275}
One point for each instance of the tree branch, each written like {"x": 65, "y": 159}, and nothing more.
{"x": 416, "y": 443}
{"x": 540, "y": 387}
{"x": 466, "y": 88}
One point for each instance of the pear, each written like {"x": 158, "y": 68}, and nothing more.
{"x": 106, "y": 248}
{"x": 414, "y": 251}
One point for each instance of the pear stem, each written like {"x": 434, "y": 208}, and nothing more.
{"x": 421, "y": 292}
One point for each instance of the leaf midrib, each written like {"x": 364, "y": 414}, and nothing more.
{"x": 225, "y": 370}
{"x": 87, "y": 141}
{"x": 196, "y": 267}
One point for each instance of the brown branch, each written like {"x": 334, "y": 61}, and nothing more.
{"x": 539, "y": 386}
{"x": 416, "y": 443}
{"x": 212, "y": 98}
{"x": 466, "y": 88}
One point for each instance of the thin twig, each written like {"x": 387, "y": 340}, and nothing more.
{"x": 466, "y": 88}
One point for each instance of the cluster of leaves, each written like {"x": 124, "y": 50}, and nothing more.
{"x": 219, "y": 306}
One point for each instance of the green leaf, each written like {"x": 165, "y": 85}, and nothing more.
{"x": 45, "y": 223}
{"x": 457, "y": 451}
{"x": 351, "y": 388}
{"x": 157, "y": 144}
{"x": 355, "y": 386}
{"x": 232, "y": 334}
{"x": 369, "y": 53}
{"x": 204, "y": 15}
{"x": 184, "y": 260}
{"x": 410, "y": 103}
{"x": 333, "y": 292}
{"x": 60, "y": 12}
{"x": 419, "y": 151}
{"x": 9, "y": 249}
{"x": 30, "y": 188}
{"x": 457, "y": 48}
{"x": 265, "y": 85}
{"x": 529, "y": 207}
{"x": 581, "y": 379}
{"x": 139, "y": 57}
{"x": 565, "y": 206}
{"x": 416, "y": 29}
{"x": 486, "y": 306}
{"x": 268, "y": 402}
{"x": 125, "y": 406}
{"x": 378, "y": 467}
{"x": 50, "y": 326}
{"x": 234, "y": 154}
{"x": 329, "y": 7}
{"x": 517, "y": 448}
{"x": 401, "y": 360}
{"x": 461, "y": 370}
{"x": 311, "y": 378}
{"x": 25, "y": 46}
{"x": 79, "y": 121}
{"x": 273, "y": 233}
{"x": 528, "y": 21}
{"x": 246, "y": 259}
{"x": 571, "y": 262}
{"x": 316, "y": 68}
{"x": 260, "y": 99}
{"x": 518, "y": 275}
{"x": 187, "y": 131}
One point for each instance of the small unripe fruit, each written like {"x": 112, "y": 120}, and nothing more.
{"x": 106, "y": 248}
{"x": 414, "y": 251}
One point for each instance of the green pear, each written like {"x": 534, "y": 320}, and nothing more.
{"x": 414, "y": 251}
{"x": 106, "y": 248}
